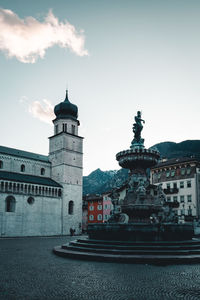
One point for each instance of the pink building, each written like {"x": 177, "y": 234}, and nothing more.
{"x": 107, "y": 206}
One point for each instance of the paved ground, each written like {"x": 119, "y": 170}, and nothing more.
{"x": 29, "y": 270}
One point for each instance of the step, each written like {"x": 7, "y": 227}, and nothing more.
{"x": 134, "y": 246}
{"x": 129, "y": 243}
{"x": 131, "y": 252}
{"x": 140, "y": 259}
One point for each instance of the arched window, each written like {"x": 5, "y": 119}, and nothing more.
{"x": 71, "y": 208}
{"x": 22, "y": 168}
{"x": 30, "y": 200}
{"x": 1, "y": 164}
{"x": 10, "y": 204}
{"x": 42, "y": 171}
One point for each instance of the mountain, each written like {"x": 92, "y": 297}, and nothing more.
{"x": 183, "y": 149}
{"x": 99, "y": 181}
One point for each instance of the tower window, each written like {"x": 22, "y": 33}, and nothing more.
{"x": 64, "y": 127}
{"x": 71, "y": 208}
{"x": 73, "y": 129}
{"x": 22, "y": 168}
{"x": 42, "y": 171}
{"x": 10, "y": 204}
{"x": 56, "y": 129}
{"x": 1, "y": 164}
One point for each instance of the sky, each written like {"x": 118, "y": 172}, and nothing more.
{"x": 114, "y": 57}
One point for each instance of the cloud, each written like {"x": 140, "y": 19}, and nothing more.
{"x": 43, "y": 112}
{"x": 28, "y": 39}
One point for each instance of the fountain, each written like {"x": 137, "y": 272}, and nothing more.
{"x": 144, "y": 227}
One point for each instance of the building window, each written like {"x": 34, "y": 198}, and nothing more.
{"x": 167, "y": 173}
{"x": 22, "y": 168}
{"x": 99, "y": 207}
{"x": 10, "y": 204}
{"x": 188, "y": 170}
{"x": 159, "y": 175}
{"x": 175, "y": 199}
{"x": 99, "y": 217}
{"x": 175, "y": 185}
{"x": 42, "y": 171}
{"x": 73, "y": 129}
{"x": 91, "y": 217}
{"x": 105, "y": 206}
{"x": 189, "y": 183}
{"x": 183, "y": 211}
{"x": 1, "y": 164}
{"x": 168, "y": 186}
{"x": 30, "y": 200}
{"x": 181, "y": 184}
{"x": 189, "y": 198}
{"x": 182, "y": 171}
{"x": 91, "y": 207}
{"x": 172, "y": 173}
{"x": 182, "y": 199}
{"x": 168, "y": 199}
{"x": 105, "y": 217}
{"x": 64, "y": 127}
{"x": 56, "y": 129}
{"x": 71, "y": 208}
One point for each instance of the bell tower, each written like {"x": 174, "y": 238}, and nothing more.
{"x": 66, "y": 157}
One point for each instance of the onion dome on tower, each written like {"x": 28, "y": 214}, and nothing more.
{"x": 66, "y": 109}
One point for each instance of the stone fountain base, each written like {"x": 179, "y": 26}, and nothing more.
{"x": 135, "y": 243}
{"x": 162, "y": 252}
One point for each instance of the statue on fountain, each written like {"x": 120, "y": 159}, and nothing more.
{"x": 137, "y": 128}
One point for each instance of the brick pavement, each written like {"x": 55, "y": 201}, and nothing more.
{"x": 29, "y": 270}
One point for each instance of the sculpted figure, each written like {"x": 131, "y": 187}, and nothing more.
{"x": 137, "y": 126}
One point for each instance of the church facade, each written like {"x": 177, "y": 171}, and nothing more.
{"x": 42, "y": 195}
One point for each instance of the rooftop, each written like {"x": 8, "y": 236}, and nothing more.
{"x": 25, "y": 154}
{"x": 175, "y": 161}
{"x": 31, "y": 179}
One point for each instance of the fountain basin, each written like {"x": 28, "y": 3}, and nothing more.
{"x": 141, "y": 232}
{"x": 137, "y": 158}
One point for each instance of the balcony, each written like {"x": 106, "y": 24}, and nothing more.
{"x": 171, "y": 191}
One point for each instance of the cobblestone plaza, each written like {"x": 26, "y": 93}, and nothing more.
{"x": 29, "y": 270}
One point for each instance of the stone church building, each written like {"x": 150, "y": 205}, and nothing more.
{"x": 42, "y": 195}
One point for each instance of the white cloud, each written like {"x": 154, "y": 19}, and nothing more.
{"x": 43, "y": 112}
{"x": 27, "y": 39}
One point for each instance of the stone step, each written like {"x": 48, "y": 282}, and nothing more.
{"x": 135, "y": 246}
{"x": 129, "y": 243}
{"x": 131, "y": 252}
{"x": 141, "y": 259}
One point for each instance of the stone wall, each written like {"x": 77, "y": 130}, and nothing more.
{"x": 42, "y": 217}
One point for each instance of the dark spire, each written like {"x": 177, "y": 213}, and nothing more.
{"x": 66, "y": 97}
